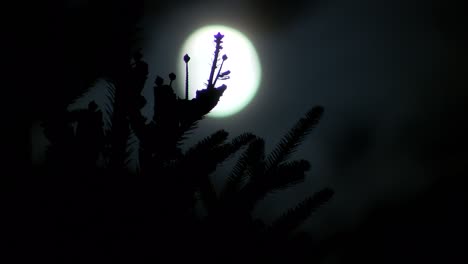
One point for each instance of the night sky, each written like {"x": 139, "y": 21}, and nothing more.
{"x": 391, "y": 76}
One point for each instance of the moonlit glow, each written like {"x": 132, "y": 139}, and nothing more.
{"x": 242, "y": 61}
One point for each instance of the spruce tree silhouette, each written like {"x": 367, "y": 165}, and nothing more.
{"x": 106, "y": 211}
{"x": 229, "y": 221}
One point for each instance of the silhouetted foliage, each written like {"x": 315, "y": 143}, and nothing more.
{"x": 107, "y": 209}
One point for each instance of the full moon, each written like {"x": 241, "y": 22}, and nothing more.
{"x": 243, "y": 62}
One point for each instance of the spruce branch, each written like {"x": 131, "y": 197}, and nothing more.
{"x": 294, "y": 217}
{"x": 294, "y": 137}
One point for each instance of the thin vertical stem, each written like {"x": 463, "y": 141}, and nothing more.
{"x": 186, "y": 81}
{"x": 219, "y": 71}
{"x": 218, "y": 42}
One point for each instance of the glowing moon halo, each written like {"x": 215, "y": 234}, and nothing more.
{"x": 243, "y": 62}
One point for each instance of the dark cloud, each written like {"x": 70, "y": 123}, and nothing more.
{"x": 265, "y": 15}
{"x": 280, "y": 14}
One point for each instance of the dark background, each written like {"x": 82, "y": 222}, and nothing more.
{"x": 390, "y": 74}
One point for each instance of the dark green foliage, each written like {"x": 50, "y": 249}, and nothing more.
{"x": 250, "y": 181}
{"x": 288, "y": 174}
{"x": 206, "y": 145}
{"x": 109, "y": 106}
{"x": 158, "y": 203}
{"x": 132, "y": 146}
{"x": 240, "y": 172}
